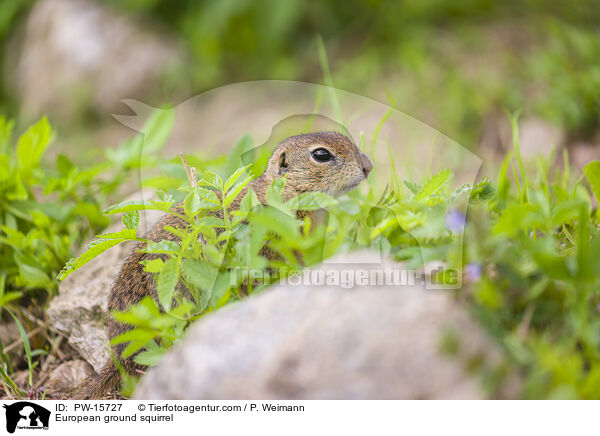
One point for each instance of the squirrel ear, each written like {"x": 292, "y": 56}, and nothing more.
{"x": 283, "y": 165}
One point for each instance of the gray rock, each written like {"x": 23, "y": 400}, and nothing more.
{"x": 538, "y": 137}
{"x": 582, "y": 153}
{"x": 80, "y": 52}
{"x": 325, "y": 342}
{"x": 69, "y": 375}
{"x": 9, "y": 333}
{"x": 78, "y": 311}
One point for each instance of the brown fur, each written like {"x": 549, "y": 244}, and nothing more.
{"x": 291, "y": 159}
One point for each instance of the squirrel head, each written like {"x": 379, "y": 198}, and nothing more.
{"x": 318, "y": 162}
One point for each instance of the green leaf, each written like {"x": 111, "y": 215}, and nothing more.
{"x": 219, "y": 295}
{"x": 274, "y": 191}
{"x": 208, "y": 195}
{"x": 275, "y": 220}
{"x": 95, "y": 249}
{"x": 487, "y": 294}
{"x": 18, "y": 192}
{"x": 162, "y": 247}
{"x": 137, "y": 334}
{"x": 8, "y": 297}
{"x": 192, "y": 204}
{"x": 93, "y": 213}
{"x": 6, "y": 165}
{"x": 249, "y": 202}
{"x": 32, "y": 276}
{"x": 311, "y": 201}
{"x": 131, "y": 220}
{"x": 150, "y": 357}
{"x": 583, "y": 246}
{"x": 15, "y": 238}
{"x": 201, "y": 274}
{"x": 412, "y": 187}
{"x": 158, "y": 129}
{"x": 167, "y": 280}
{"x": 181, "y": 312}
{"x": 592, "y": 172}
{"x": 212, "y": 179}
{"x": 551, "y": 263}
{"x": 224, "y": 236}
{"x": 9, "y": 384}
{"x": 26, "y": 345}
{"x": 140, "y": 314}
{"x": 434, "y": 184}
{"x": 129, "y": 206}
{"x": 233, "y": 178}
{"x": 128, "y": 155}
{"x": 198, "y": 199}
{"x": 137, "y": 338}
{"x": 483, "y": 190}
{"x": 514, "y": 121}
{"x": 127, "y": 234}
{"x": 233, "y": 193}
{"x": 2, "y": 283}
{"x": 517, "y": 217}
{"x": 154, "y": 265}
{"x": 211, "y": 221}
{"x": 32, "y": 144}
{"x": 40, "y": 219}
{"x": 565, "y": 211}
{"x": 6, "y": 129}
{"x": 64, "y": 165}
{"x": 274, "y": 196}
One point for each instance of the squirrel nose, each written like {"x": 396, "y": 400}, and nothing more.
{"x": 367, "y": 164}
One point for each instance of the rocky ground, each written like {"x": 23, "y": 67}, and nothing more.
{"x": 301, "y": 342}
{"x": 295, "y": 341}
{"x": 325, "y": 342}
{"x": 288, "y": 342}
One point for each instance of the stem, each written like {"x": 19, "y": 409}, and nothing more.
{"x": 191, "y": 172}
{"x": 225, "y": 213}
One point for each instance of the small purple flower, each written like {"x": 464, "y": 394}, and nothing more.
{"x": 455, "y": 221}
{"x": 473, "y": 272}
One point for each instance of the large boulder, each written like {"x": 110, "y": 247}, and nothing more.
{"x": 75, "y": 54}
{"x": 78, "y": 311}
{"x": 373, "y": 341}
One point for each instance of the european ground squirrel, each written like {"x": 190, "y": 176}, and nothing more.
{"x": 326, "y": 162}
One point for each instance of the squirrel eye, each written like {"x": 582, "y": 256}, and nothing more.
{"x": 322, "y": 155}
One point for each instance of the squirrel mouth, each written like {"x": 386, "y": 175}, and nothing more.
{"x": 349, "y": 187}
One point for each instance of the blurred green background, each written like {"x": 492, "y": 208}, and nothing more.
{"x": 454, "y": 65}
{"x": 458, "y": 66}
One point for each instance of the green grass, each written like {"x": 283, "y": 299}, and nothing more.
{"x": 530, "y": 249}
{"x": 533, "y": 240}
{"x": 46, "y": 212}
